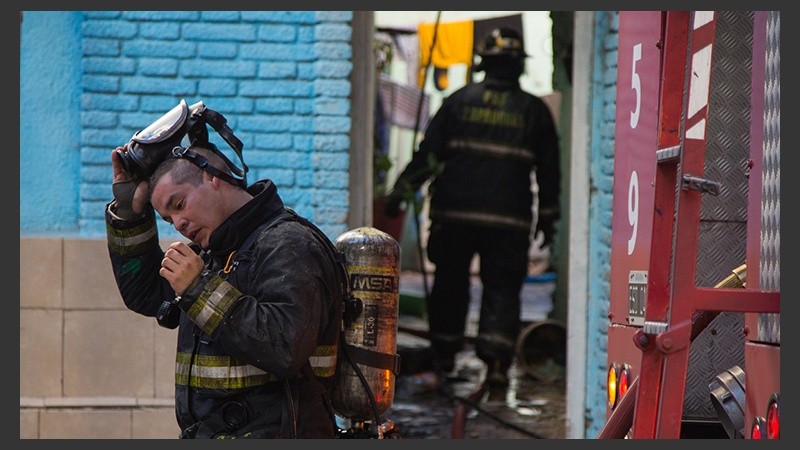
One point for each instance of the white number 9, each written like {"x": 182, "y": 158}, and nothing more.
{"x": 633, "y": 210}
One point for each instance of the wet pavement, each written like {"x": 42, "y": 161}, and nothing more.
{"x": 529, "y": 408}
{"x": 533, "y": 406}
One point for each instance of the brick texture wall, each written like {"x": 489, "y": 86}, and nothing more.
{"x": 600, "y": 204}
{"x": 281, "y": 79}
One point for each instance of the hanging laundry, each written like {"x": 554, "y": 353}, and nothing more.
{"x": 405, "y": 45}
{"x": 454, "y": 44}
{"x": 401, "y": 103}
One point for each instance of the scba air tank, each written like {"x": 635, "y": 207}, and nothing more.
{"x": 372, "y": 258}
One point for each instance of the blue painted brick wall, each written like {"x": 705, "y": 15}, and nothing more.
{"x": 281, "y": 78}
{"x": 602, "y": 174}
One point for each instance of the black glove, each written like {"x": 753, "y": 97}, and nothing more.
{"x": 123, "y": 194}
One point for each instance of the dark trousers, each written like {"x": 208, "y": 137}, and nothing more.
{"x": 503, "y": 266}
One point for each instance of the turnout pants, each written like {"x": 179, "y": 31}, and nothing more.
{"x": 503, "y": 257}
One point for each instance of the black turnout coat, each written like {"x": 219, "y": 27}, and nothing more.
{"x": 264, "y": 309}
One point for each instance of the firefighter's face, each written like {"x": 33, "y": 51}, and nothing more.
{"x": 194, "y": 210}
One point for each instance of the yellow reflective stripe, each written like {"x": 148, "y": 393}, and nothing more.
{"x": 210, "y": 307}
{"x": 224, "y": 372}
{"x": 126, "y": 241}
{"x": 227, "y": 383}
{"x": 487, "y": 218}
{"x": 323, "y": 366}
{"x": 325, "y": 350}
{"x": 492, "y": 149}
{"x": 323, "y": 360}
{"x": 218, "y": 372}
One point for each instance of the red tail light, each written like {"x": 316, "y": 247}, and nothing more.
{"x": 774, "y": 418}
{"x": 758, "y": 430}
{"x": 624, "y": 380}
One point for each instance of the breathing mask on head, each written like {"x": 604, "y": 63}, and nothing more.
{"x": 161, "y": 140}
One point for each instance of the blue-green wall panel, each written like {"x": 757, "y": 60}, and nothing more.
{"x": 603, "y": 104}
{"x": 50, "y": 126}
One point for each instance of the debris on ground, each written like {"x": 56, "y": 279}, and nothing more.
{"x": 426, "y": 404}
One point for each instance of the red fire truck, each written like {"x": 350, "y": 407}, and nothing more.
{"x": 694, "y": 317}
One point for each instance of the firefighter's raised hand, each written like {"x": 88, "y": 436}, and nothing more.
{"x": 131, "y": 195}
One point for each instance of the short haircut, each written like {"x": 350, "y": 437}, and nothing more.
{"x": 184, "y": 170}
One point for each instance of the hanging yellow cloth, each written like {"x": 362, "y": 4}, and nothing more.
{"x": 454, "y": 42}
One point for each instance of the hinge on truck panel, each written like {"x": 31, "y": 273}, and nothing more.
{"x": 668, "y": 154}
{"x": 654, "y": 328}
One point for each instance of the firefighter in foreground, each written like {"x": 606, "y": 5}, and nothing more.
{"x": 254, "y": 296}
{"x": 480, "y": 149}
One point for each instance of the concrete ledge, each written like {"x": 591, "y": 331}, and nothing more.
{"x": 94, "y": 402}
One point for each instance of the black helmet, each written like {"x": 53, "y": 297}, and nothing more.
{"x": 502, "y": 41}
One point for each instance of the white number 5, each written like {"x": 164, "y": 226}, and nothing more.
{"x": 636, "y": 84}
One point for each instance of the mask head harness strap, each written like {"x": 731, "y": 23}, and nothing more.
{"x": 203, "y": 163}
{"x": 198, "y": 136}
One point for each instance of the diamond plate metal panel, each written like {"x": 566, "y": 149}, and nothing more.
{"x": 722, "y": 249}
{"x": 723, "y": 218}
{"x": 718, "y": 348}
{"x": 769, "y": 326}
{"x": 728, "y": 132}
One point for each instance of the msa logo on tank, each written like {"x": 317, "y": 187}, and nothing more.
{"x": 374, "y": 283}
